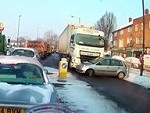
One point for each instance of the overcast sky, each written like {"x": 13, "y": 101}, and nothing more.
{"x": 45, "y": 15}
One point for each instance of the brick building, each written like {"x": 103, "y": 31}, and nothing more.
{"x": 128, "y": 40}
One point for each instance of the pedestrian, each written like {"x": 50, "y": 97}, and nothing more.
{"x": 140, "y": 60}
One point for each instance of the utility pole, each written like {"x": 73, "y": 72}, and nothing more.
{"x": 18, "y": 31}
{"x": 143, "y": 45}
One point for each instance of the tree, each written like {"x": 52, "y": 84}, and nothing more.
{"x": 51, "y": 38}
{"x": 107, "y": 24}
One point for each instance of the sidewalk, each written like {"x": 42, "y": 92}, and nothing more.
{"x": 137, "y": 71}
{"x": 134, "y": 76}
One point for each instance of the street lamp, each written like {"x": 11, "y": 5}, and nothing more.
{"x": 76, "y": 17}
{"x": 143, "y": 45}
{"x": 18, "y": 31}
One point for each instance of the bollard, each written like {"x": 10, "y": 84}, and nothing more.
{"x": 63, "y": 66}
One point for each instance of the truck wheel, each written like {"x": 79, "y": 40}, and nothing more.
{"x": 121, "y": 75}
{"x": 90, "y": 72}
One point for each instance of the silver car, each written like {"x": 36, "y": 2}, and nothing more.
{"x": 107, "y": 66}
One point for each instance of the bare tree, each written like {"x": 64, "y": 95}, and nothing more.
{"x": 51, "y": 38}
{"x": 107, "y": 24}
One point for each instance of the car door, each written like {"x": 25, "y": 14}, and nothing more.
{"x": 115, "y": 66}
{"x": 102, "y": 67}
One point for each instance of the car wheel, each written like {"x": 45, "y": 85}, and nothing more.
{"x": 121, "y": 75}
{"x": 90, "y": 72}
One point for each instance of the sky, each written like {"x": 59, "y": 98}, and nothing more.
{"x": 40, "y": 16}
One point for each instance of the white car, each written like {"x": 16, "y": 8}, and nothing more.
{"x": 133, "y": 62}
{"x": 28, "y": 52}
{"x": 24, "y": 84}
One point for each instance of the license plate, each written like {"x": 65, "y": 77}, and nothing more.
{"x": 12, "y": 110}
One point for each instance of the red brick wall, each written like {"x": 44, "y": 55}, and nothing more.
{"x": 139, "y": 33}
{"x": 123, "y": 36}
{"x": 134, "y": 34}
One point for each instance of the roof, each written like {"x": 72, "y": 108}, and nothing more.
{"x": 31, "y": 49}
{"x": 124, "y": 26}
{"x": 19, "y": 59}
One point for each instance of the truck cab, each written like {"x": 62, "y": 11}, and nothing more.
{"x": 81, "y": 43}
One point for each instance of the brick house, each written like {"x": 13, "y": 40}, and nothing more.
{"x": 128, "y": 40}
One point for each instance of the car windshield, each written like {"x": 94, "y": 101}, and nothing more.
{"x": 22, "y": 73}
{"x": 22, "y": 52}
{"x": 94, "y": 61}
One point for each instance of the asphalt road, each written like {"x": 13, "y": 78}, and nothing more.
{"x": 133, "y": 98}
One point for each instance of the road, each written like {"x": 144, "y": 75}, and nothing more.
{"x": 131, "y": 97}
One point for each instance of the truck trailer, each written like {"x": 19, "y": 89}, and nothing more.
{"x": 80, "y": 43}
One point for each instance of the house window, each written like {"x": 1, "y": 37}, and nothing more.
{"x": 129, "y": 39}
{"x": 129, "y": 29}
{"x": 120, "y": 42}
{"x": 121, "y": 32}
{"x": 141, "y": 26}
{"x": 136, "y": 27}
{"x": 139, "y": 40}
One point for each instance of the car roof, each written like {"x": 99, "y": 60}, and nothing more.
{"x": 110, "y": 57}
{"x": 31, "y": 49}
{"x": 19, "y": 59}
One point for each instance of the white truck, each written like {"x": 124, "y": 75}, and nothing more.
{"x": 80, "y": 43}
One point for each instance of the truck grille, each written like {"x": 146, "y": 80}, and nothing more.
{"x": 86, "y": 58}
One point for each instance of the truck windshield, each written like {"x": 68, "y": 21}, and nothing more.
{"x": 89, "y": 40}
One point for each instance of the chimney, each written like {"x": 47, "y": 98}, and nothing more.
{"x": 130, "y": 19}
{"x": 146, "y": 11}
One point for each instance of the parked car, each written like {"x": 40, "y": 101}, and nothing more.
{"x": 24, "y": 84}
{"x": 28, "y": 52}
{"x": 106, "y": 66}
{"x": 133, "y": 62}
